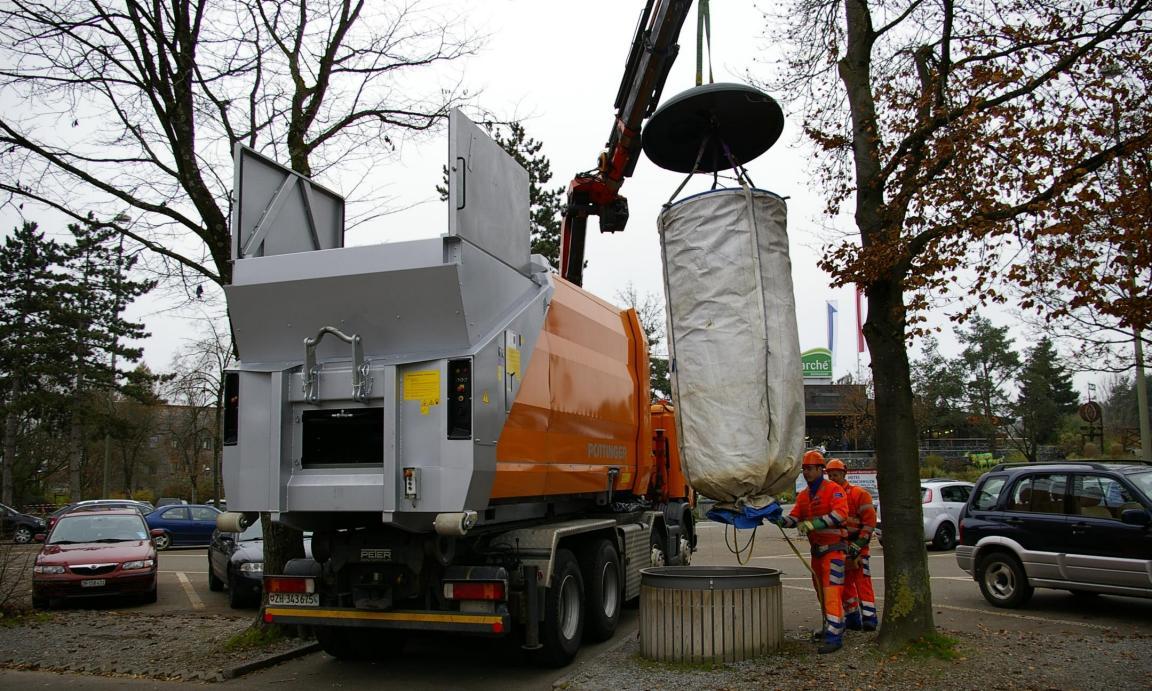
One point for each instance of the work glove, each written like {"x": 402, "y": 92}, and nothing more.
{"x": 805, "y": 527}
{"x": 853, "y": 552}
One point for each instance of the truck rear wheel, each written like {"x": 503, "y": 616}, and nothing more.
{"x": 563, "y": 612}
{"x": 603, "y": 584}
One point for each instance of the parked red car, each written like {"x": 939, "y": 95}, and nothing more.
{"x": 93, "y": 554}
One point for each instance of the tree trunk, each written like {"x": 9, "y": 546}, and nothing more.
{"x": 281, "y": 543}
{"x": 10, "y": 428}
{"x": 907, "y": 590}
{"x": 75, "y": 486}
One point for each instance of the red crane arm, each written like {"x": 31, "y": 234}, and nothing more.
{"x": 597, "y": 192}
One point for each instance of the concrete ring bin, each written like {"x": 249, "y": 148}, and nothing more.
{"x": 710, "y": 613}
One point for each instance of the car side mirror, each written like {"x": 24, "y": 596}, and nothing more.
{"x": 1136, "y": 517}
{"x": 39, "y": 537}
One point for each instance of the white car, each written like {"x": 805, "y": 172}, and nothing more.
{"x": 941, "y": 500}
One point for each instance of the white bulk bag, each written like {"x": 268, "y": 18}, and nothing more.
{"x": 735, "y": 353}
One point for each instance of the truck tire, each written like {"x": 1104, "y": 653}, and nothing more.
{"x": 1002, "y": 580}
{"x": 563, "y": 612}
{"x": 603, "y": 582}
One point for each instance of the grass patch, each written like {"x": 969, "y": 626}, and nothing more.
{"x": 254, "y": 637}
{"x": 10, "y": 620}
{"x": 932, "y": 646}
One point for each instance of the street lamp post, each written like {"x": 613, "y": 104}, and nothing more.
{"x": 1137, "y": 336}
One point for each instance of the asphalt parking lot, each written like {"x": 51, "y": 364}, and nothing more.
{"x": 183, "y": 586}
{"x": 958, "y": 606}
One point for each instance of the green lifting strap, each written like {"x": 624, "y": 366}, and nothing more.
{"x": 703, "y": 33}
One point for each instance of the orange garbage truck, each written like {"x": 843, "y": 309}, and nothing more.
{"x": 468, "y": 437}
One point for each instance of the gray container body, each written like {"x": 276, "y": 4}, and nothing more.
{"x": 710, "y": 614}
{"x": 338, "y": 434}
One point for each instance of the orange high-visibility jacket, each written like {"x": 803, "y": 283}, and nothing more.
{"x": 830, "y": 505}
{"x": 861, "y": 522}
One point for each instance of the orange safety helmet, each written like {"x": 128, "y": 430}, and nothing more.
{"x": 813, "y": 457}
{"x": 836, "y": 464}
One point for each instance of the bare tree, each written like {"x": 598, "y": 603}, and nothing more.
{"x": 134, "y": 106}
{"x": 962, "y": 135}
{"x": 137, "y": 107}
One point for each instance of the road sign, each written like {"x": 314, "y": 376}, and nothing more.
{"x": 1090, "y": 411}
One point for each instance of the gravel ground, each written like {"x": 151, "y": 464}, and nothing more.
{"x": 191, "y": 647}
{"x": 125, "y": 643}
{"x": 993, "y": 659}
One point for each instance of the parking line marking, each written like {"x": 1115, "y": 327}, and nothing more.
{"x": 189, "y": 591}
{"x": 1043, "y": 620}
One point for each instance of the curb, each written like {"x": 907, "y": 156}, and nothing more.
{"x": 248, "y": 667}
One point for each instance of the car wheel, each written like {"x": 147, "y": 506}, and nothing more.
{"x": 563, "y": 612}
{"x": 215, "y": 583}
{"x": 150, "y": 597}
{"x": 945, "y": 538}
{"x": 162, "y": 542}
{"x": 1003, "y": 581}
{"x": 237, "y": 598}
{"x": 23, "y": 535}
{"x": 604, "y": 584}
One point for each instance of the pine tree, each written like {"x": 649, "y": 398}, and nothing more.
{"x": 938, "y": 387}
{"x": 990, "y": 363}
{"x": 1046, "y": 396}
{"x": 98, "y": 293}
{"x": 31, "y": 356}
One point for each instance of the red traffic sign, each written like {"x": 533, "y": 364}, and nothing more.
{"x": 1090, "y": 412}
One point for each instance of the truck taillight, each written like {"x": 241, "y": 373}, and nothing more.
{"x": 289, "y": 584}
{"x": 473, "y": 590}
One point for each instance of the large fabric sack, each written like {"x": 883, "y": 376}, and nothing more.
{"x": 735, "y": 354}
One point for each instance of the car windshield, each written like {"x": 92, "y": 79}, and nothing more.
{"x": 253, "y": 532}
{"x": 88, "y": 528}
{"x": 1143, "y": 481}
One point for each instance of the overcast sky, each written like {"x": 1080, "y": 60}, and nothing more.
{"x": 556, "y": 67}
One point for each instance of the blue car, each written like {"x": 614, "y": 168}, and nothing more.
{"x": 183, "y": 524}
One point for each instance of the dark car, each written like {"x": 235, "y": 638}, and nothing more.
{"x": 236, "y": 562}
{"x": 1083, "y": 526}
{"x": 183, "y": 524}
{"x": 141, "y": 507}
{"x": 21, "y": 527}
{"x": 95, "y": 554}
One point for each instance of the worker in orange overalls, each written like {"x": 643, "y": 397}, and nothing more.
{"x": 820, "y": 511}
{"x": 859, "y": 597}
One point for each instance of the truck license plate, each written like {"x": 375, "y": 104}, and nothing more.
{"x": 92, "y": 583}
{"x": 304, "y": 599}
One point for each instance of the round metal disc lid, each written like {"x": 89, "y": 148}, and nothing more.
{"x": 742, "y": 117}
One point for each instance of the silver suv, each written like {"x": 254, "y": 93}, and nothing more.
{"x": 1083, "y": 526}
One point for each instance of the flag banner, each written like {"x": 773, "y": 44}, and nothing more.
{"x": 860, "y": 345}
{"x": 832, "y": 325}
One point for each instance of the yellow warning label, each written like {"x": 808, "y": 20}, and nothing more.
{"x": 423, "y": 386}
{"x": 485, "y": 397}
{"x": 514, "y": 361}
